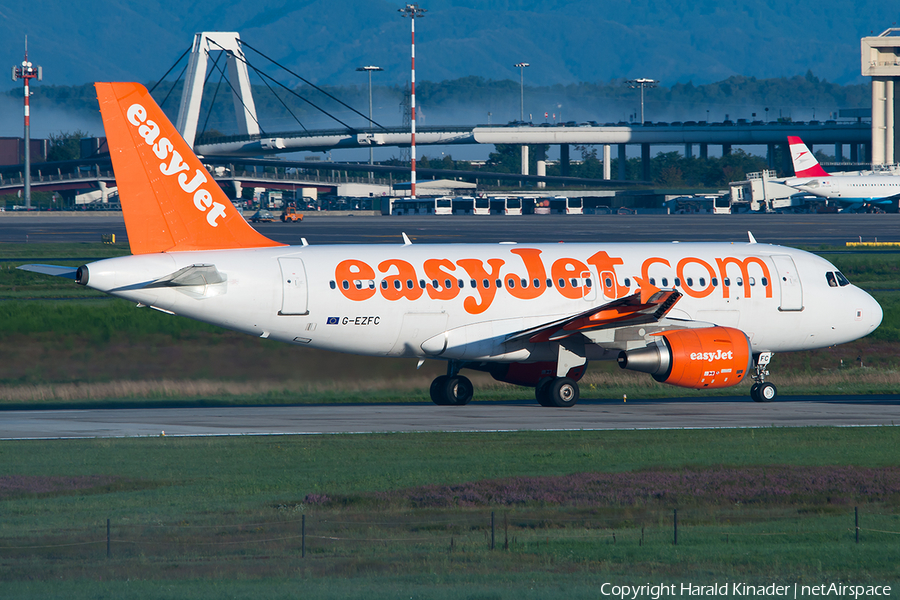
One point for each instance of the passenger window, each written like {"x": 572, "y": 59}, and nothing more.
{"x": 473, "y": 283}
{"x": 537, "y": 283}
{"x": 652, "y": 281}
{"x": 677, "y": 282}
{"x": 715, "y": 282}
{"x": 740, "y": 281}
{"x": 498, "y": 283}
{"x": 690, "y": 281}
{"x": 574, "y": 282}
{"x": 461, "y": 283}
{"x": 409, "y": 284}
{"x": 510, "y": 283}
{"x": 561, "y": 283}
{"x": 345, "y": 284}
{"x": 727, "y": 282}
{"x": 524, "y": 283}
{"x": 357, "y": 283}
{"x": 384, "y": 284}
{"x": 485, "y": 283}
{"x": 627, "y": 282}
{"x": 397, "y": 284}
{"x": 765, "y": 281}
{"x": 447, "y": 284}
{"x": 665, "y": 282}
{"x": 702, "y": 282}
{"x": 752, "y": 281}
{"x": 549, "y": 283}
{"x": 332, "y": 284}
{"x": 422, "y": 283}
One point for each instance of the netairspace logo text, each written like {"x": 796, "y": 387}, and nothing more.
{"x": 743, "y": 590}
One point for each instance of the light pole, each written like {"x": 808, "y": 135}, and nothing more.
{"x": 413, "y": 12}
{"x": 642, "y": 83}
{"x": 369, "y": 70}
{"x": 521, "y": 67}
{"x": 27, "y": 72}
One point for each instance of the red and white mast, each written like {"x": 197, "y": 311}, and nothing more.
{"x": 412, "y": 11}
{"x": 27, "y": 72}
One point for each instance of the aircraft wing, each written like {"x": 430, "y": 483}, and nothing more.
{"x": 648, "y": 305}
{"x": 55, "y": 270}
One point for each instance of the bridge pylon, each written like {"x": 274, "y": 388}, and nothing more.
{"x": 189, "y": 114}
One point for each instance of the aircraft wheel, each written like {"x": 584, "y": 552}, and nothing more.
{"x": 766, "y": 392}
{"x": 438, "y": 391}
{"x": 562, "y": 392}
{"x": 540, "y": 391}
{"x": 753, "y": 392}
{"x": 458, "y": 390}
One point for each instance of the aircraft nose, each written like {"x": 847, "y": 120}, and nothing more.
{"x": 869, "y": 313}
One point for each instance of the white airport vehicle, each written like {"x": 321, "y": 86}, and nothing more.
{"x": 698, "y": 315}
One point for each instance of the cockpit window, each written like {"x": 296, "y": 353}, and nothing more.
{"x": 836, "y": 278}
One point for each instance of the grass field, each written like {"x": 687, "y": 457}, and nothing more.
{"x": 411, "y": 513}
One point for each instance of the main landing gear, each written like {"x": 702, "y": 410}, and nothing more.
{"x": 762, "y": 390}
{"x": 452, "y": 389}
{"x": 560, "y": 392}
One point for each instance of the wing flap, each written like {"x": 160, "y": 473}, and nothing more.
{"x": 648, "y": 305}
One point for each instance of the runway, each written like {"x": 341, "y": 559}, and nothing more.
{"x": 789, "y": 230}
{"x": 797, "y": 411}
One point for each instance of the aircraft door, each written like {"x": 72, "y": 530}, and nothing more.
{"x": 295, "y": 299}
{"x": 789, "y": 280}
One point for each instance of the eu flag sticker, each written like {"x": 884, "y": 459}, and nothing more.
{"x": 333, "y": 320}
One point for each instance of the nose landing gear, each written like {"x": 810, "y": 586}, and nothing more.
{"x": 762, "y": 390}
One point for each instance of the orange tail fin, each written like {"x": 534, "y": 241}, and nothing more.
{"x": 169, "y": 199}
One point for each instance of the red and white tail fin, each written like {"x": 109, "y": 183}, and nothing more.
{"x": 169, "y": 199}
{"x": 805, "y": 164}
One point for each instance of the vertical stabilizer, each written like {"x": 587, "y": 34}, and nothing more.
{"x": 805, "y": 164}
{"x": 169, "y": 199}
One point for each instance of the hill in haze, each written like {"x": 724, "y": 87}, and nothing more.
{"x": 565, "y": 41}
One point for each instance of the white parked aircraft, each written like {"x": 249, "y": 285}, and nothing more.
{"x": 854, "y": 190}
{"x": 699, "y": 315}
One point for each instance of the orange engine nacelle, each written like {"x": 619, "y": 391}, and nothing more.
{"x": 711, "y": 357}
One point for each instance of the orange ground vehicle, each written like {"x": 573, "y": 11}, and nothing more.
{"x": 291, "y": 214}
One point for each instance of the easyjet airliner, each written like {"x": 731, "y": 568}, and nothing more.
{"x": 699, "y": 315}
{"x": 852, "y": 190}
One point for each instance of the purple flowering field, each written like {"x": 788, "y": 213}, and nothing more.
{"x": 723, "y": 486}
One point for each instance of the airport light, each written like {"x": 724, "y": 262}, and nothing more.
{"x": 413, "y": 12}
{"x": 27, "y": 72}
{"x": 521, "y": 67}
{"x": 642, "y": 83}
{"x": 369, "y": 70}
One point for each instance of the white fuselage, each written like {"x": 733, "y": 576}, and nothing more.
{"x": 849, "y": 187}
{"x": 382, "y": 299}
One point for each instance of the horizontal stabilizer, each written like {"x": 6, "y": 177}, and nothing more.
{"x": 190, "y": 276}
{"x": 55, "y": 270}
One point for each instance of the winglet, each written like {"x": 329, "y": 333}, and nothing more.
{"x": 752, "y": 239}
{"x": 169, "y": 200}
{"x": 406, "y": 240}
{"x": 647, "y": 290}
{"x": 805, "y": 164}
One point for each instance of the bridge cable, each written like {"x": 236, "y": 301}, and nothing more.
{"x": 234, "y": 91}
{"x": 274, "y": 93}
{"x": 311, "y": 84}
{"x": 289, "y": 90}
{"x": 215, "y": 94}
{"x": 161, "y": 79}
